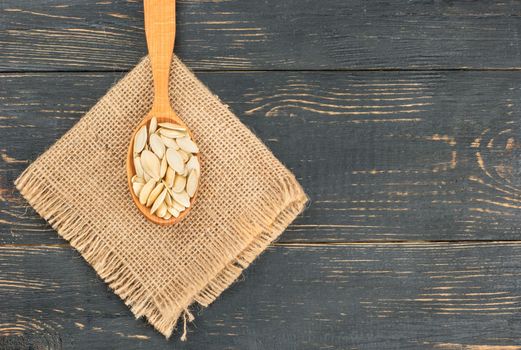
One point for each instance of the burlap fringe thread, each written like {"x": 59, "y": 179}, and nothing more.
{"x": 263, "y": 224}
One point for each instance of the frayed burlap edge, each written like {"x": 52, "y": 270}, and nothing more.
{"x": 264, "y": 225}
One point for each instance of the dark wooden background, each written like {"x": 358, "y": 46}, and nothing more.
{"x": 400, "y": 118}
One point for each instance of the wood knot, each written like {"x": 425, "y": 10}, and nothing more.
{"x": 498, "y": 154}
{"x": 28, "y": 333}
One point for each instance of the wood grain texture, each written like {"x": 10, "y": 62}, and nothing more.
{"x": 392, "y": 296}
{"x": 383, "y": 155}
{"x": 429, "y": 152}
{"x": 272, "y": 34}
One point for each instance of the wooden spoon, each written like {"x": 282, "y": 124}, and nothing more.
{"x": 160, "y": 35}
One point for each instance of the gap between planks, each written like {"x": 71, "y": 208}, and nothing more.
{"x": 348, "y": 70}
{"x": 319, "y": 244}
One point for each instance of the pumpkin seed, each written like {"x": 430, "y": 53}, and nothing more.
{"x": 162, "y": 210}
{"x": 154, "y": 194}
{"x": 187, "y": 145}
{"x": 183, "y": 198}
{"x": 137, "y": 187}
{"x": 172, "y": 126}
{"x": 174, "y": 212}
{"x": 170, "y": 143}
{"x": 136, "y": 178}
{"x": 140, "y": 139}
{"x": 164, "y": 166}
{"x": 179, "y": 183}
{"x": 184, "y": 155}
{"x": 137, "y": 166}
{"x": 178, "y": 206}
{"x": 167, "y": 216}
{"x": 191, "y": 183}
{"x": 157, "y": 145}
{"x": 168, "y": 199}
{"x": 158, "y": 201}
{"x": 151, "y": 164}
{"x": 169, "y": 178}
{"x": 170, "y": 192}
{"x": 175, "y": 160}
{"x": 193, "y": 163}
{"x": 153, "y": 126}
{"x": 171, "y": 133}
{"x": 145, "y": 191}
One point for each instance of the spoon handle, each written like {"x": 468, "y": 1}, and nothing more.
{"x": 160, "y": 34}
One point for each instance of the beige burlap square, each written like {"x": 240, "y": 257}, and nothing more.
{"x": 246, "y": 199}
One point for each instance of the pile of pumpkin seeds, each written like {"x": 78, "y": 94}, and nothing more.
{"x": 166, "y": 167}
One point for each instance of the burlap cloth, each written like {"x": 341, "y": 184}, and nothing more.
{"x": 246, "y": 199}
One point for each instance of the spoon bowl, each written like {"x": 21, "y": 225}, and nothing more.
{"x": 131, "y": 172}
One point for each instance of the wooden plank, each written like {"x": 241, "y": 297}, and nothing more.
{"x": 391, "y": 156}
{"x": 238, "y": 34}
{"x": 383, "y": 155}
{"x": 397, "y": 296}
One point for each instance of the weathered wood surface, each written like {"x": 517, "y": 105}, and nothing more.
{"x": 383, "y": 155}
{"x": 273, "y": 34}
{"x": 427, "y": 152}
{"x": 404, "y": 296}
